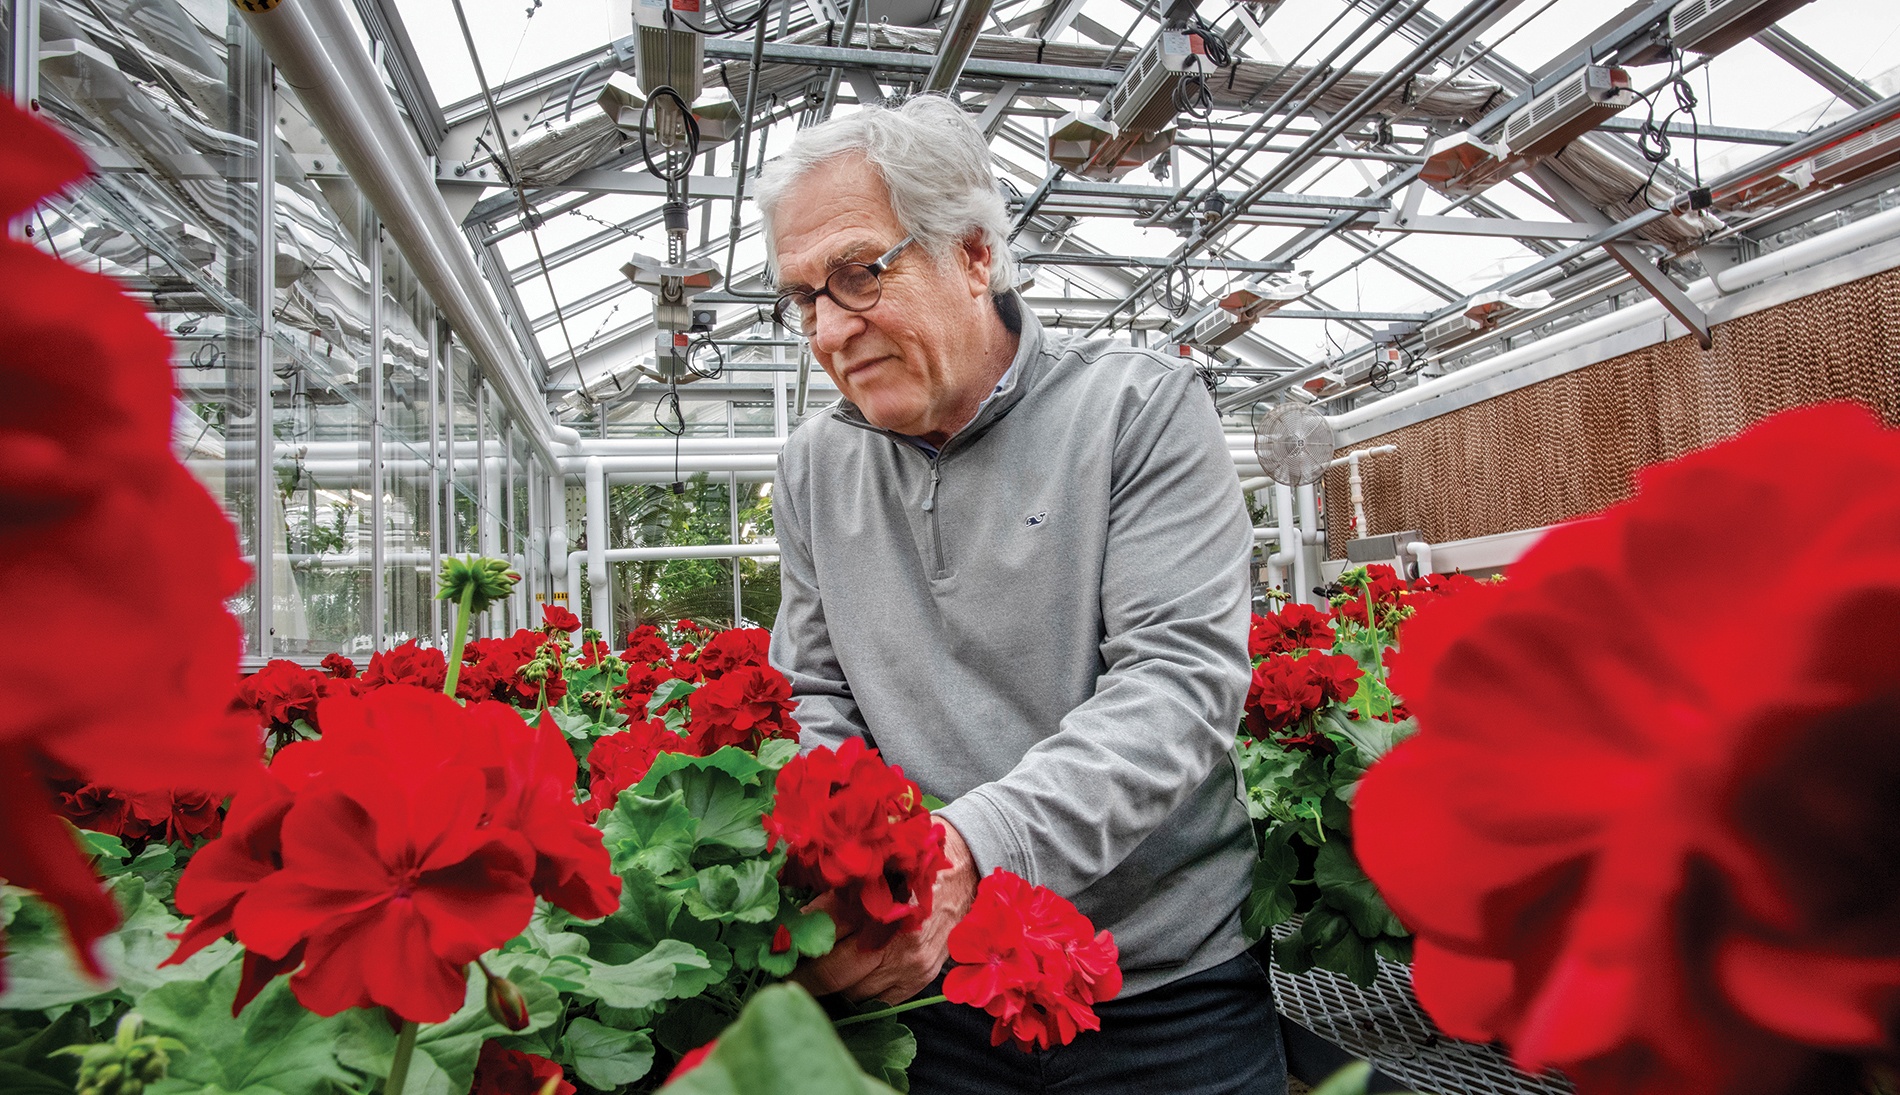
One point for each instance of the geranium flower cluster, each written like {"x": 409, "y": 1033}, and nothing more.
{"x": 1394, "y": 599}
{"x": 855, "y": 827}
{"x": 522, "y": 669}
{"x": 1646, "y": 830}
{"x": 138, "y": 817}
{"x": 390, "y": 853}
{"x": 102, "y": 533}
{"x": 1031, "y": 960}
{"x": 1286, "y": 692}
{"x": 741, "y": 700}
{"x": 1294, "y": 628}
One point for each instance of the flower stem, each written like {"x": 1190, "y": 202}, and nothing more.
{"x": 399, "y": 1068}
{"x": 888, "y": 1012}
{"x": 458, "y": 637}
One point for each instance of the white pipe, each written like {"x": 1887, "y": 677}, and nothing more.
{"x": 1422, "y": 551}
{"x": 1821, "y": 248}
{"x": 1815, "y": 249}
{"x": 1289, "y": 540}
{"x": 1309, "y": 534}
{"x": 601, "y": 613}
{"x": 663, "y": 446}
{"x": 1261, "y": 535}
{"x": 1259, "y": 482}
{"x": 1359, "y": 526}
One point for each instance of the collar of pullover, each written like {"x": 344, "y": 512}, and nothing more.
{"x": 1017, "y": 380}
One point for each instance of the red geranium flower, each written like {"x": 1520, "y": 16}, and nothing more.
{"x": 501, "y": 1071}
{"x": 281, "y": 693}
{"x": 1646, "y": 831}
{"x": 102, "y": 533}
{"x": 410, "y": 664}
{"x": 411, "y": 838}
{"x": 183, "y": 817}
{"x": 558, "y": 618}
{"x": 734, "y": 649}
{"x": 1385, "y": 587}
{"x": 619, "y": 760}
{"x": 637, "y": 692}
{"x": 744, "y": 707}
{"x": 645, "y": 646}
{"x": 1028, "y": 957}
{"x": 854, "y": 826}
{"x": 339, "y": 667}
{"x": 1283, "y": 694}
{"x": 1295, "y": 627}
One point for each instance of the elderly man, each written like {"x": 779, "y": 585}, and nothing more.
{"x": 1016, "y": 563}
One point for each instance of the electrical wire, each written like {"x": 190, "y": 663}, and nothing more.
{"x": 692, "y": 135}
{"x": 1652, "y": 139}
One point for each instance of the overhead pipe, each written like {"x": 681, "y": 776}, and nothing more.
{"x": 318, "y": 53}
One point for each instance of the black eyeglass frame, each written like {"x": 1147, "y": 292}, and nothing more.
{"x": 796, "y": 298}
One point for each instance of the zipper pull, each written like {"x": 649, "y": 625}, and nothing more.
{"x": 936, "y": 476}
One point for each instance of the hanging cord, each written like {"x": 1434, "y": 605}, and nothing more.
{"x": 705, "y": 342}
{"x": 1652, "y": 140}
{"x": 1176, "y": 298}
{"x": 692, "y": 135}
{"x": 1191, "y": 96}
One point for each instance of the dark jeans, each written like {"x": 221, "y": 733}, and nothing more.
{"x": 1211, "y": 1033}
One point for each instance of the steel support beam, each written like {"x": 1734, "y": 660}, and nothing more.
{"x": 953, "y": 51}
{"x": 886, "y": 60}
{"x": 1627, "y": 255}
{"x": 1836, "y": 80}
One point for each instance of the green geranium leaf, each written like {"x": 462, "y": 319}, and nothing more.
{"x": 1271, "y": 901}
{"x": 1374, "y": 737}
{"x": 444, "y": 1062}
{"x": 1352, "y": 955}
{"x": 656, "y": 835}
{"x": 781, "y": 1044}
{"x": 670, "y": 691}
{"x": 722, "y": 791}
{"x": 883, "y": 1048}
{"x": 604, "y": 1057}
{"x": 646, "y": 980}
{"x": 274, "y": 1048}
{"x": 575, "y": 724}
{"x": 812, "y": 934}
{"x": 1350, "y": 1080}
{"x": 746, "y": 891}
{"x": 645, "y": 917}
{"x": 1344, "y": 886}
{"x": 28, "y": 1065}
{"x": 42, "y": 972}
{"x": 776, "y": 753}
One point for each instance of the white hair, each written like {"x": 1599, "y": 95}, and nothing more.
{"x": 934, "y": 163}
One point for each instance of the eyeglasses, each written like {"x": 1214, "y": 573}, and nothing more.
{"x": 853, "y": 287}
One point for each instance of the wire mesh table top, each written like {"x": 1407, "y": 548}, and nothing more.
{"x": 1384, "y": 1025}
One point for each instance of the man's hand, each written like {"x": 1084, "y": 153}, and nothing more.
{"x": 902, "y": 967}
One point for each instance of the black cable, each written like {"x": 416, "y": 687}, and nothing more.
{"x": 692, "y": 134}
{"x": 692, "y": 349}
{"x": 1166, "y": 295}
{"x": 1652, "y": 139}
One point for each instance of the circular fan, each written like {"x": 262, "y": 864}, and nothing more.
{"x": 1294, "y": 444}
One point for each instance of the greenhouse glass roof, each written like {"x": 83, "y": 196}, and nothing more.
{"x": 1295, "y": 174}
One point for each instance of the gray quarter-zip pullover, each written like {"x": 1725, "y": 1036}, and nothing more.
{"x": 1045, "y": 625}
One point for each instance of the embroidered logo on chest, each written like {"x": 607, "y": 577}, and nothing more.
{"x": 1035, "y": 519}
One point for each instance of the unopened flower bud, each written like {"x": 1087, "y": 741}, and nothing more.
{"x": 489, "y": 579}
{"x": 506, "y": 1004}
{"x": 125, "y": 1065}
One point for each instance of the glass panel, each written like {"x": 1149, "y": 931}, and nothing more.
{"x": 408, "y": 465}
{"x": 320, "y": 396}
{"x": 164, "y": 101}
